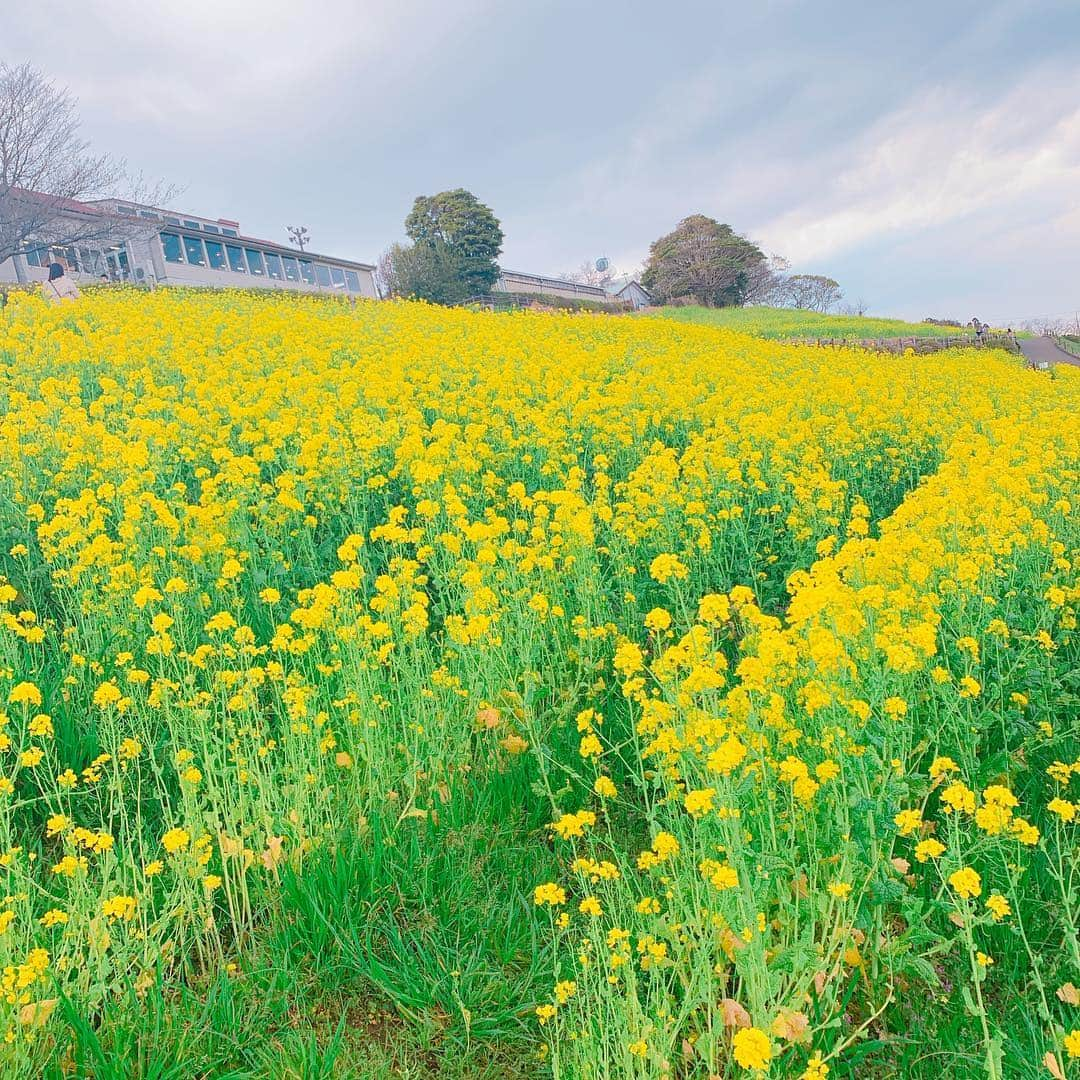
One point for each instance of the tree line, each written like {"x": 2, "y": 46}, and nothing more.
{"x": 456, "y": 241}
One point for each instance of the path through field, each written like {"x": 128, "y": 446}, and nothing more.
{"x": 1043, "y": 349}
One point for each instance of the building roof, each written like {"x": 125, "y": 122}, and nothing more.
{"x": 107, "y": 207}
{"x": 270, "y": 245}
{"x": 555, "y": 283}
{"x": 55, "y": 202}
{"x": 620, "y": 285}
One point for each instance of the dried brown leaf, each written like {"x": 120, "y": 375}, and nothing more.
{"x": 734, "y": 1014}
{"x": 37, "y": 1012}
{"x": 1053, "y": 1065}
{"x": 791, "y": 1026}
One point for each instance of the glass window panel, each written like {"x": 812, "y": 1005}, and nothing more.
{"x": 191, "y": 224}
{"x": 125, "y": 210}
{"x": 37, "y": 257}
{"x": 91, "y": 262}
{"x": 307, "y": 271}
{"x": 254, "y": 261}
{"x": 236, "y": 258}
{"x": 211, "y": 228}
{"x": 149, "y": 214}
{"x": 172, "y": 220}
{"x": 273, "y": 266}
{"x": 322, "y": 273}
{"x": 215, "y": 252}
{"x": 229, "y": 232}
{"x": 292, "y": 272}
{"x": 352, "y": 278}
{"x": 193, "y": 251}
{"x": 337, "y": 276}
{"x": 116, "y": 263}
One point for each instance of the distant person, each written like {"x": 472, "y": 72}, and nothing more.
{"x": 60, "y": 289}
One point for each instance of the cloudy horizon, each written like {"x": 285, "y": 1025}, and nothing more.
{"x": 927, "y": 157}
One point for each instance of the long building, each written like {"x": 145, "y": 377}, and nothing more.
{"x": 513, "y": 281}
{"x": 126, "y": 241}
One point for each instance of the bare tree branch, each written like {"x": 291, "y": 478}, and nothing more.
{"x": 48, "y": 172}
{"x": 587, "y": 274}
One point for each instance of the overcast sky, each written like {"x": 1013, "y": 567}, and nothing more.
{"x": 925, "y": 154}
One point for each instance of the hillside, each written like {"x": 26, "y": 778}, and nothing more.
{"x": 396, "y": 690}
{"x": 788, "y": 323}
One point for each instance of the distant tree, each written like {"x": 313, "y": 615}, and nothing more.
{"x": 766, "y": 281}
{"x": 587, "y": 274}
{"x": 455, "y": 228}
{"x": 856, "y": 307}
{"x": 704, "y": 260}
{"x": 812, "y": 292}
{"x": 45, "y": 166}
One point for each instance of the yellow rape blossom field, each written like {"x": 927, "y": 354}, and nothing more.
{"x": 403, "y": 691}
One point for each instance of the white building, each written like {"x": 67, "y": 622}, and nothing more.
{"x": 512, "y": 281}
{"x": 629, "y": 291}
{"x": 147, "y": 244}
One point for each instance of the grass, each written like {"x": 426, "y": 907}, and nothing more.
{"x": 782, "y": 323}
{"x": 1070, "y": 343}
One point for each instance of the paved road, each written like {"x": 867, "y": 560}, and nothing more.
{"x": 1043, "y": 350}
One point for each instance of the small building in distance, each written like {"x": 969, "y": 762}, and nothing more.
{"x": 629, "y": 291}
{"x": 146, "y": 244}
{"x": 513, "y": 281}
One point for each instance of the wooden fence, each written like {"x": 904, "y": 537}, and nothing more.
{"x": 920, "y": 345}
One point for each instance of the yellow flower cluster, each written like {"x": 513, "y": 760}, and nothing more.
{"x": 759, "y": 623}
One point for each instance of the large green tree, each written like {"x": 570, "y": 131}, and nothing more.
{"x": 704, "y": 260}
{"x": 454, "y": 229}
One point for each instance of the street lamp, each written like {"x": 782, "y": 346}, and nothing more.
{"x": 298, "y": 235}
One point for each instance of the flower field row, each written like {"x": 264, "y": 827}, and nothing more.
{"x": 763, "y": 657}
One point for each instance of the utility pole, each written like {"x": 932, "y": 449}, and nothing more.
{"x": 298, "y": 235}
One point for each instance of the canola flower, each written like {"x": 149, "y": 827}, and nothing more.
{"x": 803, "y": 621}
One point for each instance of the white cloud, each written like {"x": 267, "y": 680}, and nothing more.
{"x": 939, "y": 159}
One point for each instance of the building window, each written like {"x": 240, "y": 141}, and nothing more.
{"x": 323, "y": 274}
{"x": 170, "y": 244}
{"x": 273, "y": 266}
{"x": 193, "y": 251}
{"x": 149, "y": 214}
{"x": 228, "y": 232}
{"x": 352, "y": 278}
{"x": 337, "y": 276}
{"x": 236, "y": 258}
{"x": 254, "y": 261}
{"x": 307, "y": 271}
{"x": 211, "y": 228}
{"x": 37, "y": 257}
{"x": 125, "y": 210}
{"x": 215, "y": 252}
{"x": 116, "y": 263}
{"x": 172, "y": 220}
{"x": 191, "y": 224}
{"x": 291, "y": 270}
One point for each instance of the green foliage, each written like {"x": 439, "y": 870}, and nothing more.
{"x": 399, "y": 914}
{"x": 458, "y": 236}
{"x": 425, "y": 272}
{"x": 702, "y": 259}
